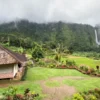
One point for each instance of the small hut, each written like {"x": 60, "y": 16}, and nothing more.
{"x": 11, "y": 63}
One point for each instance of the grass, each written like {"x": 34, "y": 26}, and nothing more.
{"x": 84, "y": 61}
{"x": 83, "y": 85}
{"x": 80, "y": 60}
{"x": 38, "y": 73}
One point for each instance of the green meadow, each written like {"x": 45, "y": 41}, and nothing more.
{"x": 83, "y": 61}
{"x": 36, "y": 74}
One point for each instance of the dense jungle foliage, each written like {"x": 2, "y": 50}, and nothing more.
{"x": 75, "y": 37}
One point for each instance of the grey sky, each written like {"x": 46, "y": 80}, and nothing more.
{"x": 78, "y": 11}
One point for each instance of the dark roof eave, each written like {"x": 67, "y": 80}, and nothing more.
{"x": 19, "y": 58}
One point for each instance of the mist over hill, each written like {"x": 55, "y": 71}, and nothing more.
{"x": 78, "y": 37}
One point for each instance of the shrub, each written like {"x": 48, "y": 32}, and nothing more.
{"x": 85, "y": 92}
{"x": 41, "y": 63}
{"x": 89, "y": 95}
{"x": 91, "y": 91}
{"x": 37, "y": 53}
{"x": 92, "y": 70}
{"x": 57, "y": 57}
{"x": 70, "y": 63}
{"x": 30, "y": 63}
{"x": 77, "y": 96}
{"x": 81, "y": 67}
{"x": 97, "y": 91}
{"x": 98, "y": 72}
{"x": 52, "y": 66}
{"x": 84, "y": 68}
{"x": 92, "y": 97}
{"x": 97, "y": 95}
{"x": 10, "y": 94}
{"x": 97, "y": 67}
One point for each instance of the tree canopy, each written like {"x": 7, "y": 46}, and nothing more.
{"x": 77, "y": 37}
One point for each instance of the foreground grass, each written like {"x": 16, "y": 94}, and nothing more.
{"x": 34, "y": 87}
{"x": 37, "y": 73}
{"x": 80, "y": 85}
{"x": 84, "y": 84}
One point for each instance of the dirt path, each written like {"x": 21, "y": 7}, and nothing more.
{"x": 58, "y": 93}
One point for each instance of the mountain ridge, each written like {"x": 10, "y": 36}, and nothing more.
{"x": 73, "y": 36}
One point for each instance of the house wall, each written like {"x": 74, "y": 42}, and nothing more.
{"x": 6, "y": 58}
{"x": 15, "y": 69}
{"x": 6, "y": 68}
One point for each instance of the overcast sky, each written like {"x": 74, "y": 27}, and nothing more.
{"x": 77, "y": 11}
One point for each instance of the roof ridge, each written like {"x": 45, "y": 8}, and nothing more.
{"x": 14, "y": 54}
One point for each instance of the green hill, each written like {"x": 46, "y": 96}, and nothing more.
{"x": 78, "y": 37}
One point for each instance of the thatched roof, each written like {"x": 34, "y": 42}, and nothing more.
{"x": 18, "y": 57}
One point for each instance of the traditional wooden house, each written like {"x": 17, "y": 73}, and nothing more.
{"x": 11, "y": 63}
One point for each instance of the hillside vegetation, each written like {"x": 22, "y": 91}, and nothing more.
{"x": 75, "y": 37}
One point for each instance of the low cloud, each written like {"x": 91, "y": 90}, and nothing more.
{"x": 77, "y": 11}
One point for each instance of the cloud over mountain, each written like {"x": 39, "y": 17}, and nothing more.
{"x": 78, "y": 11}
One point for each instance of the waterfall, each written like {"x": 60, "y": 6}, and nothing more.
{"x": 96, "y": 37}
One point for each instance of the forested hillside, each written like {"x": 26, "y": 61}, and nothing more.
{"x": 76, "y": 37}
